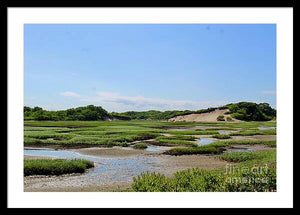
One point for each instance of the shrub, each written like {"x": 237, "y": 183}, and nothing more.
{"x": 221, "y": 118}
{"x": 250, "y": 111}
{"x": 229, "y": 119}
{"x": 252, "y": 179}
{"x": 197, "y": 180}
{"x": 150, "y": 182}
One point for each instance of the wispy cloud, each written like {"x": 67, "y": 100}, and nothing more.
{"x": 117, "y": 102}
{"x": 69, "y": 94}
{"x": 268, "y": 92}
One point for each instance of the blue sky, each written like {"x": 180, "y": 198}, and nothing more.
{"x": 125, "y": 67}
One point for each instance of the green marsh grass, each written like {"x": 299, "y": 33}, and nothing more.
{"x": 221, "y": 136}
{"x": 178, "y": 137}
{"x": 166, "y": 141}
{"x": 270, "y": 143}
{"x": 217, "y": 147}
{"x": 47, "y": 134}
{"x": 140, "y": 146}
{"x": 199, "y": 132}
{"x": 55, "y": 166}
{"x": 239, "y": 156}
{"x": 254, "y": 132}
{"x": 120, "y": 133}
{"x": 242, "y": 177}
{"x": 217, "y": 129}
{"x": 207, "y": 149}
{"x": 116, "y": 134}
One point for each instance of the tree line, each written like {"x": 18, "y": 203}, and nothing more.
{"x": 247, "y": 111}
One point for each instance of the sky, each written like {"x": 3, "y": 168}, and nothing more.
{"x": 139, "y": 67}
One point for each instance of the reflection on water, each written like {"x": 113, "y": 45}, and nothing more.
{"x": 205, "y": 141}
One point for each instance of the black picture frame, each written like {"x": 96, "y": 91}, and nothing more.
{"x": 54, "y": 3}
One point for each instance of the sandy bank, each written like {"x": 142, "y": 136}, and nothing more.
{"x": 202, "y": 117}
{"x": 115, "y": 152}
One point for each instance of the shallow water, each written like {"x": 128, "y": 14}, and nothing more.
{"x": 224, "y": 132}
{"x": 153, "y": 149}
{"x": 241, "y": 150}
{"x": 149, "y": 149}
{"x": 205, "y": 141}
{"x": 56, "y": 153}
{"x": 106, "y": 169}
{"x": 266, "y": 128}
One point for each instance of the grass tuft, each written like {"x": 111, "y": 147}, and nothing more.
{"x": 221, "y": 136}
{"x": 55, "y": 166}
{"x": 207, "y": 149}
{"x": 140, "y": 146}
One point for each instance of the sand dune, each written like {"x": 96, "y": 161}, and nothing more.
{"x": 202, "y": 117}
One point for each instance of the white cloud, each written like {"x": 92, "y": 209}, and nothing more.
{"x": 116, "y": 102}
{"x": 269, "y": 92}
{"x": 69, "y": 94}
{"x": 54, "y": 107}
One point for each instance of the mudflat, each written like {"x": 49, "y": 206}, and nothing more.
{"x": 95, "y": 180}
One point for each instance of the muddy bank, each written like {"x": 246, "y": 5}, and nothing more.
{"x": 62, "y": 184}
{"x": 172, "y": 164}
{"x": 248, "y": 148}
{"x": 31, "y": 157}
{"x": 254, "y": 137}
{"x": 117, "y": 152}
